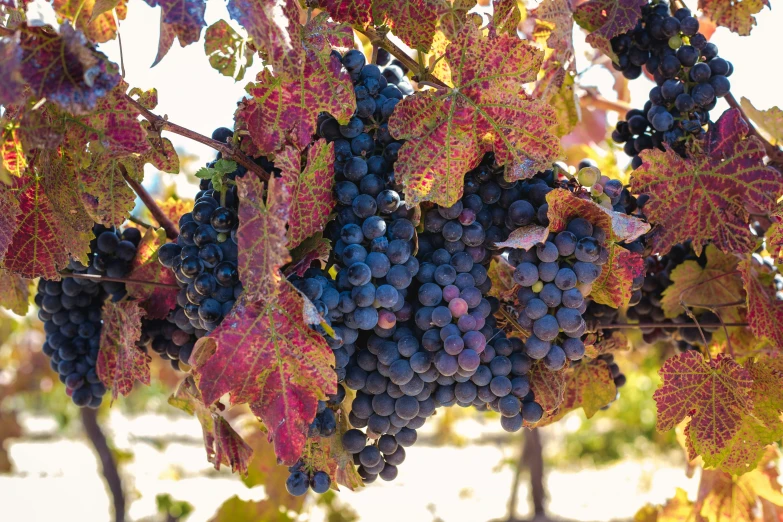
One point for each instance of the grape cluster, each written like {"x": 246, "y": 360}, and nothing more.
{"x": 648, "y": 310}
{"x": 688, "y": 73}
{"x": 71, "y": 312}
{"x": 204, "y": 257}
{"x": 172, "y": 338}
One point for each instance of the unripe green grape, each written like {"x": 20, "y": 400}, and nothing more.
{"x": 537, "y": 287}
{"x": 605, "y": 201}
{"x": 675, "y": 42}
{"x": 588, "y": 176}
{"x": 597, "y": 189}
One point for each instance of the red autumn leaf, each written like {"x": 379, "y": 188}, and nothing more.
{"x": 764, "y": 310}
{"x": 456, "y": 16}
{"x": 449, "y": 130}
{"x": 615, "y": 343}
{"x": 314, "y": 248}
{"x": 310, "y": 186}
{"x": 737, "y": 16}
{"x": 184, "y": 17}
{"x": 357, "y": 12}
{"x": 501, "y": 273}
{"x": 613, "y": 286}
{"x": 714, "y": 394}
{"x": 706, "y": 197}
{"x": 588, "y": 385}
{"x": 412, "y": 21}
{"x": 11, "y": 82}
{"x": 114, "y": 123}
{"x": 525, "y": 237}
{"x": 547, "y": 386}
{"x": 262, "y": 235}
{"x": 282, "y": 110}
{"x": 227, "y": 50}
{"x": 506, "y": 16}
{"x": 555, "y": 22}
{"x": 120, "y": 361}
{"x": 268, "y": 357}
{"x": 98, "y": 27}
{"x": 605, "y": 19}
{"x": 224, "y": 445}
{"x": 9, "y": 210}
{"x": 63, "y": 69}
{"x": 157, "y": 301}
{"x": 757, "y": 431}
{"x": 717, "y": 283}
{"x": 14, "y": 292}
{"x": 168, "y": 34}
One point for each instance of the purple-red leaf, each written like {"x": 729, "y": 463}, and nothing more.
{"x": 261, "y": 236}
{"x": 11, "y": 81}
{"x": 714, "y": 394}
{"x": 449, "y": 130}
{"x": 357, "y": 12}
{"x": 412, "y": 21}
{"x": 157, "y": 301}
{"x": 709, "y": 196}
{"x": 605, "y": 19}
{"x": 224, "y": 445}
{"x": 765, "y": 310}
{"x": 9, "y": 210}
{"x": 315, "y": 248}
{"x": 310, "y": 186}
{"x": 267, "y": 356}
{"x": 184, "y": 17}
{"x": 120, "y": 361}
{"x": 63, "y": 69}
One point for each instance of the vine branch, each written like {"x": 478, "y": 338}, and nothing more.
{"x": 623, "y": 326}
{"x": 225, "y": 149}
{"x": 774, "y": 153}
{"x": 122, "y": 280}
{"x": 109, "y": 467}
{"x": 596, "y": 101}
{"x": 171, "y": 229}
{"x": 377, "y": 39}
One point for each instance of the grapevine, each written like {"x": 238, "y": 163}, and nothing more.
{"x": 393, "y": 225}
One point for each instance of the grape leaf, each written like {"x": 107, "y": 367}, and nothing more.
{"x": 769, "y": 121}
{"x": 557, "y": 86}
{"x": 453, "y": 21}
{"x": 525, "y": 237}
{"x": 554, "y": 21}
{"x": 224, "y": 445}
{"x": 501, "y": 273}
{"x": 14, "y": 292}
{"x": 589, "y": 385}
{"x": 63, "y": 69}
{"x": 281, "y": 110}
{"x": 184, "y": 17}
{"x": 157, "y": 301}
{"x": 120, "y": 361}
{"x": 310, "y": 186}
{"x": 328, "y": 455}
{"x": 161, "y": 154}
{"x": 314, "y": 248}
{"x": 615, "y": 343}
{"x": 168, "y": 34}
{"x": 173, "y": 208}
{"x": 412, "y": 21}
{"x": 706, "y": 197}
{"x": 718, "y": 283}
{"x": 262, "y": 235}
{"x": 723, "y": 497}
{"x": 757, "y": 431}
{"x": 14, "y": 162}
{"x": 9, "y": 210}
{"x": 606, "y": 19}
{"x": 613, "y": 286}
{"x": 227, "y": 50}
{"x": 735, "y": 15}
{"x": 103, "y": 180}
{"x": 268, "y": 357}
{"x": 449, "y": 130}
{"x": 98, "y": 27}
{"x": 547, "y": 386}
{"x": 506, "y": 16}
{"x": 676, "y": 509}
{"x": 11, "y": 82}
{"x": 357, "y": 12}
{"x": 40, "y": 126}
{"x": 714, "y": 394}
{"x": 36, "y": 249}
{"x": 764, "y": 310}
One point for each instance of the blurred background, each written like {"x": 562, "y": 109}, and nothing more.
{"x": 59, "y": 463}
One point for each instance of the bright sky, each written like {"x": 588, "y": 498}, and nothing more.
{"x": 194, "y": 95}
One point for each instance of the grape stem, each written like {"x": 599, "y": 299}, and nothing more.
{"x": 225, "y": 149}
{"x": 378, "y": 39}
{"x": 141, "y": 282}
{"x": 774, "y": 153}
{"x": 171, "y": 229}
{"x": 140, "y": 222}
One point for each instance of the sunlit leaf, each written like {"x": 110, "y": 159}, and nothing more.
{"x": 120, "y": 362}
{"x": 605, "y": 19}
{"x": 412, "y": 21}
{"x": 735, "y": 15}
{"x": 14, "y": 292}
{"x": 448, "y": 131}
{"x": 525, "y": 237}
{"x": 547, "y": 386}
{"x": 769, "y": 121}
{"x": 764, "y": 309}
{"x": 157, "y": 301}
{"x": 97, "y": 26}
{"x": 589, "y": 385}
{"x": 227, "y": 50}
